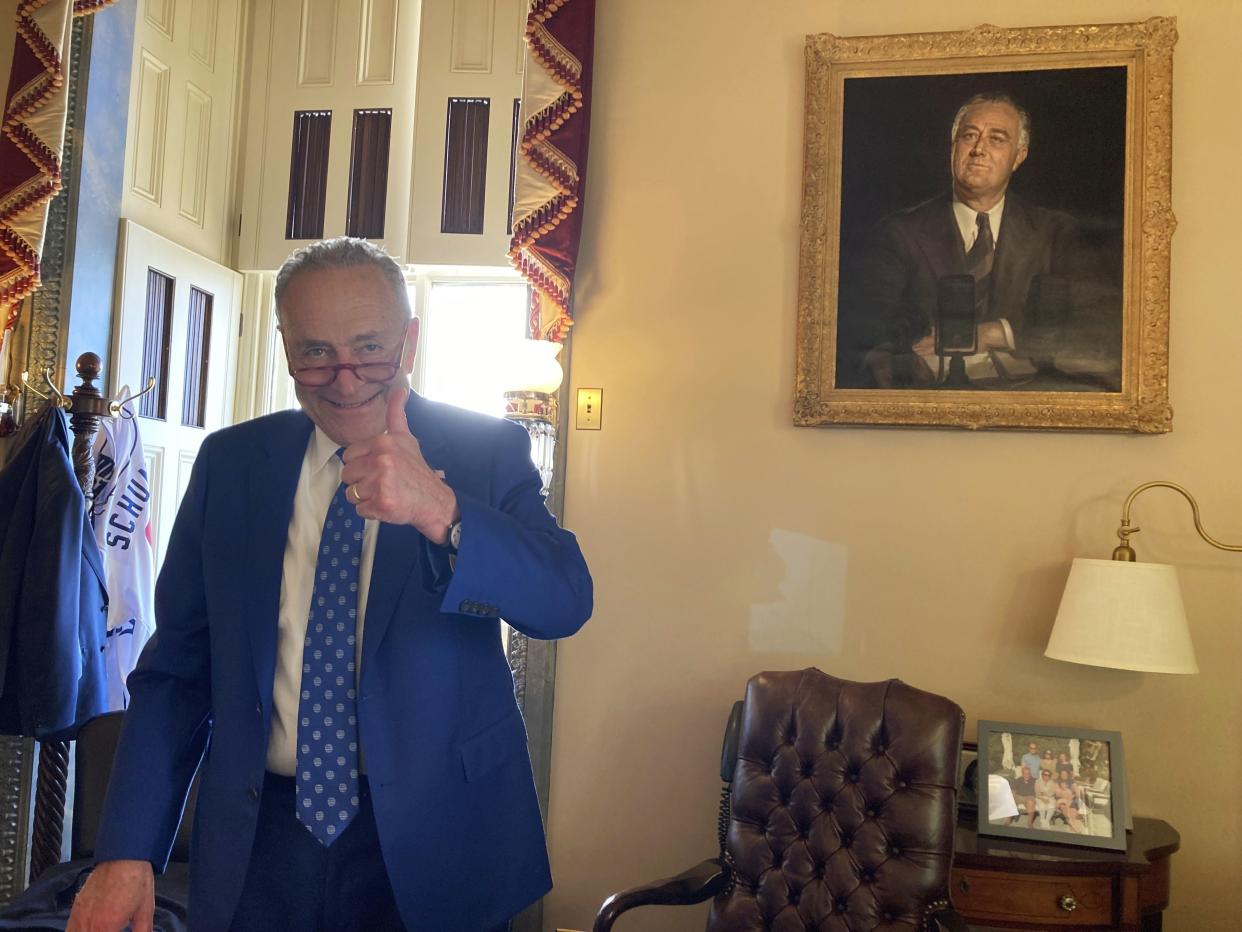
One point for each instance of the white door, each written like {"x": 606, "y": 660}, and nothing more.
{"x": 177, "y": 322}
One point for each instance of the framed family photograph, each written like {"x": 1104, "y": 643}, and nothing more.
{"x": 1047, "y": 783}
{"x": 986, "y": 227}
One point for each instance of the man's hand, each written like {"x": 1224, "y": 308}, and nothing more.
{"x": 117, "y": 894}
{"x": 389, "y": 480}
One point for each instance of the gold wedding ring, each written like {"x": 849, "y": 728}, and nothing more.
{"x": 353, "y": 489}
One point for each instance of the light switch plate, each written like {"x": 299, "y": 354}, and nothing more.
{"x": 590, "y": 409}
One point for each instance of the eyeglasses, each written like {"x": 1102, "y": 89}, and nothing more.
{"x": 320, "y": 376}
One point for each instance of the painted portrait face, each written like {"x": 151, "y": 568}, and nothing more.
{"x": 347, "y": 315}
{"x": 985, "y": 152}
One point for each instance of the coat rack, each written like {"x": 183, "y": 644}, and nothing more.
{"x": 86, "y": 406}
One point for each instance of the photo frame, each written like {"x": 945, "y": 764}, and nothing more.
{"x": 1079, "y": 797}
{"x": 968, "y": 779}
{"x": 1068, "y": 326}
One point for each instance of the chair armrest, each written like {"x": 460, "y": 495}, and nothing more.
{"x": 700, "y": 883}
{"x": 947, "y": 919}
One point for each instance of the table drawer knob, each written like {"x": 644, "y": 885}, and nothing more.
{"x": 964, "y": 885}
{"x": 1068, "y": 903}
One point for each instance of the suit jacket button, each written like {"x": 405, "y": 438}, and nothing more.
{"x": 253, "y": 793}
{"x": 258, "y": 707}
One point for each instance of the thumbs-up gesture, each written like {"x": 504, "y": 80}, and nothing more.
{"x": 390, "y": 481}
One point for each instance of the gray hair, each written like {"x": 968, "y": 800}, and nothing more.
{"x": 343, "y": 252}
{"x": 996, "y": 97}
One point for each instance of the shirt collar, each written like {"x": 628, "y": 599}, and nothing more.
{"x": 322, "y": 451}
{"x": 967, "y": 218}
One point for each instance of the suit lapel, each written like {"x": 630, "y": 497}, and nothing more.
{"x": 940, "y": 240}
{"x": 1016, "y": 261}
{"x": 399, "y": 548}
{"x": 271, "y": 483}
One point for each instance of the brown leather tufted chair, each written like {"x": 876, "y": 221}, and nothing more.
{"x": 838, "y": 813}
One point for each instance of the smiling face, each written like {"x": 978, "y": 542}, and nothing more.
{"x": 986, "y": 152}
{"x": 330, "y": 316}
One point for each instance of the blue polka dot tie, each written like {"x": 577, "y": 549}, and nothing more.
{"x": 327, "y": 780}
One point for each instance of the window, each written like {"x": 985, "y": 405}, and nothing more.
{"x": 156, "y": 340}
{"x": 197, "y": 357}
{"x": 513, "y": 158}
{"x": 308, "y": 174}
{"x": 368, "y": 173}
{"x": 466, "y": 333}
{"x": 465, "y": 165}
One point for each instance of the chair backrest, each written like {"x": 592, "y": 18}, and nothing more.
{"x": 94, "y": 748}
{"x": 843, "y": 805}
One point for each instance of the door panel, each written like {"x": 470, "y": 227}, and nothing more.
{"x": 171, "y": 446}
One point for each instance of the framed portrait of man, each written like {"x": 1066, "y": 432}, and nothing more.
{"x": 986, "y": 229}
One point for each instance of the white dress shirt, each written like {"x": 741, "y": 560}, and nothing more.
{"x": 317, "y": 483}
{"x": 981, "y": 365}
{"x": 968, "y": 221}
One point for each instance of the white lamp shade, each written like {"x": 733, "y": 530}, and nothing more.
{"x": 531, "y": 366}
{"x": 1128, "y": 616}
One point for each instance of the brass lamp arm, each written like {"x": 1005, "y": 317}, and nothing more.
{"x": 1125, "y": 552}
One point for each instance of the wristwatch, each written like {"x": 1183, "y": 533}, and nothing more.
{"x": 454, "y": 536}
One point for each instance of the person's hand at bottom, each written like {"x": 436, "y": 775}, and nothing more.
{"x": 117, "y": 893}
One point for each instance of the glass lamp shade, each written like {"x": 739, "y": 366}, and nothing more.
{"x": 1128, "y": 616}
{"x": 531, "y": 366}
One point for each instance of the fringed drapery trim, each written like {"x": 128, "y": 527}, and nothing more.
{"x": 552, "y": 155}
{"x": 32, "y": 129}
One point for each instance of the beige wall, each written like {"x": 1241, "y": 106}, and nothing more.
{"x": 725, "y": 541}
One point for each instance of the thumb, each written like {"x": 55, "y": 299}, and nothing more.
{"x": 395, "y": 416}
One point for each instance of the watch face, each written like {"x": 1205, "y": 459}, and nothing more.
{"x": 455, "y": 535}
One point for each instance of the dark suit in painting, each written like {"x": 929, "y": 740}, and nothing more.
{"x": 444, "y": 742}
{"x": 1046, "y": 281}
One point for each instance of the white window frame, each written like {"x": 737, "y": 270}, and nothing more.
{"x": 421, "y": 278}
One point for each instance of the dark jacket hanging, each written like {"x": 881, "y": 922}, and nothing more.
{"x": 53, "y": 606}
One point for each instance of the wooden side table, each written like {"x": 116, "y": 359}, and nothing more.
{"x": 1006, "y": 884}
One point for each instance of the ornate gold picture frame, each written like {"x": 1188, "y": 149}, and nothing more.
{"x": 1067, "y": 313}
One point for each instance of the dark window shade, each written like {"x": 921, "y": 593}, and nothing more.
{"x": 156, "y": 331}
{"x": 308, "y": 174}
{"x": 513, "y": 156}
{"x": 465, "y": 165}
{"x": 197, "y": 354}
{"x": 368, "y": 173}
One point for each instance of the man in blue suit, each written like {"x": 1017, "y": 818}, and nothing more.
{"x": 392, "y": 790}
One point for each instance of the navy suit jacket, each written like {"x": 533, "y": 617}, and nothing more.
{"x": 443, "y": 739}
{"x": 53, "y": 605}
{"x": 1047, "y": 280}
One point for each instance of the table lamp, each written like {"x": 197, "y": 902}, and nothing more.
{"x": 531, "y": 379}
{"x": 1124, "y": 614}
